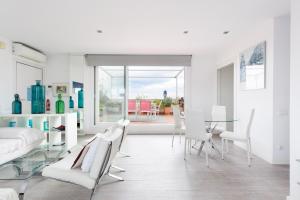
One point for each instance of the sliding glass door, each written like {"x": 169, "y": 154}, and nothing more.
{"x": 120, "y": 92}
{"x": 110, "y": 104}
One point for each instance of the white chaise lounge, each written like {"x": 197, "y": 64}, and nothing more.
{"x": 16, "y": 142}
{"x": 106, "y": 151}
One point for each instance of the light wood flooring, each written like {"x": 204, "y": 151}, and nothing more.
{"x": 156, "y": 171}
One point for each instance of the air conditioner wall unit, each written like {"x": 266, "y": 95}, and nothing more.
{"x": 25, "y": 51}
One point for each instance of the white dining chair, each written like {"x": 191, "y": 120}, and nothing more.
{"x": 228, "y": 135}
{"x": 196, "y": 132}
{"x": 218, "y": 114}
{"x": 179, "y": 127}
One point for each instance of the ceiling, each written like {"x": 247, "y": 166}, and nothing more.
{"x": 132, "y": 26}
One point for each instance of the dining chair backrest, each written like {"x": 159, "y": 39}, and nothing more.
{"x": 145, "y": 105}
{"x": 248, "y": 130}
{"x": 131, "y": 105}
{"x": 176, "y": 115}
{"x": 219, "y": 114}
{"x": 195, "y": 125}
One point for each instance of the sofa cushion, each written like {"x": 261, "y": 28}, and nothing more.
{"x": 90, "y": 156}
{"x": 8, "y": 194}
{"x": 61, "y": 170}
{"x": 98, "y": 162}
{"x": 79, "y": 159}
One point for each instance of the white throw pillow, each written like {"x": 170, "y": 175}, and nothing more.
{"x": 90, "y": 156}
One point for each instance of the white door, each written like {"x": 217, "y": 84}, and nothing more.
{"x": 26, "y": 76}
{"x": 225, "y": 91}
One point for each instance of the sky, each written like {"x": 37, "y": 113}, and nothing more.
{"x": 153, "y": 88}
{"x": 144, "y": 82}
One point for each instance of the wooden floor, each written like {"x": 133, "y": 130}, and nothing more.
{"x": 155, "y": 171}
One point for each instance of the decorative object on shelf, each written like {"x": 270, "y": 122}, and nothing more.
{"x": 29, "y": 123}
{"x": 48, "y": 105}
{"x": 80, "y": 98}
{"x": 38, "y": 98}
{"x": 71, "y": 103}
{"x": 60, "y": 128}
{"x": 60, "y": 105}
{"x": 253, "y": 67}
{"x": 60, "y": 88}
{"x": 46, "y": 125}
{"x": 17, "y": 105}
{"x": 49, "y": 98}
{"x": 2, "y": 45}
{"x": 12, "y": 123}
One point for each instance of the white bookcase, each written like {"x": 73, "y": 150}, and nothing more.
{"x": 69, "y": 120}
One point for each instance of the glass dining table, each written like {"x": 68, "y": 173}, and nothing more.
{"x": 212, "y": 124}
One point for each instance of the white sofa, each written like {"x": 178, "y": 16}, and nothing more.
{"x": 16, "y": 142}
{"x": 8, "y": 194}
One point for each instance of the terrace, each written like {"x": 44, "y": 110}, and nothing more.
{"x": 141, "y": 94}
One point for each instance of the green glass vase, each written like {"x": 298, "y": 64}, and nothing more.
{"x": 60, "y": 105}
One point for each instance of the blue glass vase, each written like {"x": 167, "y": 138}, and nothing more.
{"x": 80, "y": 98}
{"x": 37, "y": 98}
{"x": 71, "y": 102}
{"x": 17, "y": 105}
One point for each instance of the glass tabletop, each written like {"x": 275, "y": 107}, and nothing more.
{"x": 31, "y": 163}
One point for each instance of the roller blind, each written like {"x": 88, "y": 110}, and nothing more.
{"x": 137, "y": 60}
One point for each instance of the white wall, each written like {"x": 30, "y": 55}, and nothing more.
{"x": 58, "y": 69}
{"x": 261, "y": 100}
{"x": 262, "y": 134}
{"x": 295, "y": 101}
{"x": 7, "y": 77}
{"x": 201, "y": 83}
{"x": 281, "y": 81}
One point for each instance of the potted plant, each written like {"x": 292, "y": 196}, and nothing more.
{"x": 167, "y": 102}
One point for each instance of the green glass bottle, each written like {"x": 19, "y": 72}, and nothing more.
{"x": 17, "y": 105}
{"x": 60, "y": 105}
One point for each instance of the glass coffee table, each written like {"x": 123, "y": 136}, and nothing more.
{"x": 32, "y": 163}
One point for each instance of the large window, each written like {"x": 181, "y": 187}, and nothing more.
{"x": 110, "y": 93}
{"x": 121, "y": 91}
{"x": 152, "y": 82}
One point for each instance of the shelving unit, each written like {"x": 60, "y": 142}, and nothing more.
{"x": 80, "y": 121}
{"x": 69, "y": 120}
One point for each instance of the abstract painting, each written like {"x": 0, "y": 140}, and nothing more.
{"x": 253, "y": 67}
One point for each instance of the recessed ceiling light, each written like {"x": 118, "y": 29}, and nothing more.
{"x": 185, "y": 32}
{"x": 226, "y": 32}
{"x": 99, "y": 31}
